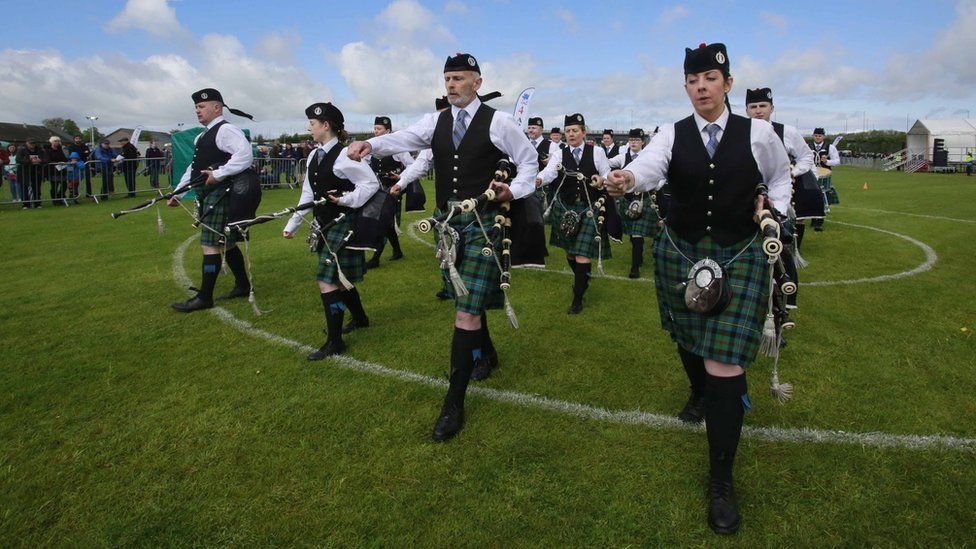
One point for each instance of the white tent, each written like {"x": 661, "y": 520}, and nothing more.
{"x": 959, "y": 135}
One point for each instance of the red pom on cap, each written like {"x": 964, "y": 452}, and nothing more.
{"x": 702, "y": 45}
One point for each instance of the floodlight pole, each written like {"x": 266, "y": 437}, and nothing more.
{"x": 91, "y": 121}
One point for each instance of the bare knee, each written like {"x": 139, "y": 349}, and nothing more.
{"x": 467, "y": 321}
{"x": 325, "y": 287}
{"x": 722, "y": 369}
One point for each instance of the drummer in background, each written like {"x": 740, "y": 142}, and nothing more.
{"x": 388, "y": 171}
{"x": 825, "y": 156}
{"x": 759, "y": 104}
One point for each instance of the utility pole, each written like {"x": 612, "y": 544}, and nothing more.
{"x": 91, "y": 121}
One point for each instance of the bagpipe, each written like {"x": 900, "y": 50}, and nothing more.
{"x": 781, "y": 285}
{"x": 602, "y": 210}
{"x": 376, "y": 216}
{"x": 498, "y": 241}
{"x": 196, "y": 183}
{"x": 243, "y": 225}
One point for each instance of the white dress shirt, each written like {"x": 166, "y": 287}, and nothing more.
{"x": 552, "y": 167}
{"x": 359, "y": 173}
{"x": 798, "y": 149}
{"x": 620, "y": 160}
{"x": 230, "y": 139}
{"x": 553, "y": 147}
{"x": 504, "y": 133}
{"x": 833, "y": 157}
{"x": 420, "y": 166}
{"x": 650, "y": 170}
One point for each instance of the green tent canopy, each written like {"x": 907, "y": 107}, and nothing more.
{"x": 183, "y": 143}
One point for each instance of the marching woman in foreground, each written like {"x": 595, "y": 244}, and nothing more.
{"x": 346, "y": 185}
{"x": 709, "y": 265}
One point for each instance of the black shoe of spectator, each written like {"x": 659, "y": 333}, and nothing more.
{"x": 194, "y": 304}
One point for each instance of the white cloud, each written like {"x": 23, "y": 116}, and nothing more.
{"x": 775, "y": 20}
{"x": 455, "y": 7}
{"x": 672, "y": 15}
{"x": 569, "y": 20}
{"x": 394, "y": 79}
{"x": 279, "y": 46}
{"x": 408, "y": 21}
{"x": 156, "y": 17}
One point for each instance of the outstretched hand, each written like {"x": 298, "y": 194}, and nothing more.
{"x": 619, "y": 182}
{"x": 358, "y": 149}
{"x": 503, "y": 193}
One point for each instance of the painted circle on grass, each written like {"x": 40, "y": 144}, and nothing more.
{"x": 930, "y": 259}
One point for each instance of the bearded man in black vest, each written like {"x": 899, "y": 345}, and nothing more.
{"x": 467, "y": 141}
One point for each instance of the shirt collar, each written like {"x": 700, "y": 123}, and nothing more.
{"x": 472, "y": 108}
{"x": 722, "y": 121}
{"x": 327, "y": 146}
{"x": 215, "y": 121}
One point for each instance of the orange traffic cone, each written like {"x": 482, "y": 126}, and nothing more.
{"x": 865, "y": 187}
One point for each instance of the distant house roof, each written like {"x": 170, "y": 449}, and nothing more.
{"x": 14, "y": 132}
{"x": 115, "y": 137}
{"x": 952, "y": 126}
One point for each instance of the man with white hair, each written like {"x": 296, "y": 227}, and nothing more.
{"x": 55, "y": 170}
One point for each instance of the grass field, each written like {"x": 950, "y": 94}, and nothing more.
{"x": 125, "y": 423}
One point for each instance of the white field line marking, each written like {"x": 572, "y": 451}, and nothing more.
{"x": 930, "y": 258}
{"x": 586, "y": 411}
{"x": 904, "y": 213}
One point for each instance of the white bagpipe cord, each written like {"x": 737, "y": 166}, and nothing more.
{"x": 768, "y": 346}
{"x": 160, "y": 226}
{"x": 798, "y": 260}
{"x": 509, "y": 309}
{"x": 449, "y": 255}
{"x": 599, "y": 238}
{"x": 250, "y": 275}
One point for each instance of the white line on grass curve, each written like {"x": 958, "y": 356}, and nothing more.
{"x": 930, "y": 258}
{"x": 586, "y": 411}
{"x": 925, "y": 216}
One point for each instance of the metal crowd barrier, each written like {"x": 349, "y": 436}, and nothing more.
{"x": 277, "y": 172}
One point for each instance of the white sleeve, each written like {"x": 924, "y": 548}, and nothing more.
{"x": 416, "y": 170}
{"x": 415, "y": 137}
{"x": 508, "y": 137}
{"x": 774, "y": 165}
{"x": 404, "y": 158}
{"x": 650, "y": 170}
{"x": 796, "y": 146}
{"x": 548, "y": 174}
{"x": 618, "y": 161}
{"x": 230, "y": 139}
{"x": 833, "y": 156}
{"x": 361, "y": 175}
{"x": 184, "y": 180}
{"x": 600, "y": 159}
{"x": 297, "y": 217}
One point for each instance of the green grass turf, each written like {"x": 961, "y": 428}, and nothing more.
{"x": 125, "y": 423}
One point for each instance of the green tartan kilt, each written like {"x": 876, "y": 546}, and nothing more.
{"x": 212, "y": 213}
{"x": 732, "y": 336}
{"x": 352, "y": 262}
{"x": 480, "y": 274}
{"x": 645, "y": 225}
{"x": 584, "y": 243}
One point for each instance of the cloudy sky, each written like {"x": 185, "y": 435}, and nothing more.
{"x": 838, "y": 64}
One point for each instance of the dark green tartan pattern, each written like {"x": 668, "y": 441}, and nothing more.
{"x": 584, "y": 243}
{"x": 732, "y": 336}
{"x": 645, "y": 225}
{"x": 352, "y": 262}
{"x": 215, "y": 219}
{"x": 480, "y": 274}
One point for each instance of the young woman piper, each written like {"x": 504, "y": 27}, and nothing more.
{"x": 710, "y": 269}
{"x": 638, "y": 215}
{"x": 575, "y": 214}
{"x": 347, "y": 185}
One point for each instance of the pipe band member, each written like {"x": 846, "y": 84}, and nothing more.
{"x": 467, "y": 141}
{"x": 347, "y": 185}
{"x": 759, "y": 104}
{"x": 825, "y": 156}
{"x": 713, "y": 161}
{"x": 573, "y": 216}
{"x": 223, "y": 144}
{"x": 637, "y": 210}
{"x": 389, "y": 170}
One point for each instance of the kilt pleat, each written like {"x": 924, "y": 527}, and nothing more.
{"x": 352, "y": 262}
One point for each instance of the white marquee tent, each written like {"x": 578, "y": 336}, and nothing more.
{"x": 959, "y": 135}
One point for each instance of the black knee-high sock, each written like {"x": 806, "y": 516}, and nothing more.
{"x": 210, "y": 268}
{"x": 486, "y": 343}
{"x": 391, "y": 235}
{"x": 572, "y": 263}
{"x": 235, "y": 260}
{"x": 334, "y": 309}
{"x": 379, "y": 249}
{"x": 725, "y": 404}
{"x": 464, "y": 346}
{"x": 355, "y": 305}
{"x": 636, "y": 251}
{"x": 694, "y": 368}
{"x": 800, "y": 228}
{"x": 581, "y": 281}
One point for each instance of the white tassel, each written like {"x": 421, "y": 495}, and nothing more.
{"x": 160, "y": 227}
{"x": 599, "y": 258}
{"x": 780, "y": 391}
{"x": 254, "y": 303}
{"x": 459, "y": 289}
{"x": 343, "y": 281}
{"x": 768, "y": 345}
{"x": 510, "y": 312}
{"x": 799, "y": 261}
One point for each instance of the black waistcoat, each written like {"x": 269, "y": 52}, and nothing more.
{"x": 713, "y": 196}
{"x": 613, "y": 151}
{"x": 205, "y": 151}
{"x": 572, "y": 189}
{"x": 465, "y": 172}
{"x": 543, "y": 149}
{"x": 323, "y": 179}
{"x": 385, "y": 165}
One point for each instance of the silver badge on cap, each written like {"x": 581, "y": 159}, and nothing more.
{"x": 769, "y": 95}
{"x": 318, "y": 111}
{"x": 720, "y": 58}
{"x": 204, "y": 95}
{"x": 579, "y": 118}
{"x": 471, "y": 61}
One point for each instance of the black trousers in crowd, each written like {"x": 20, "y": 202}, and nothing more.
{"x": 129, "y": 173}
{"x": 31, "y": 177}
